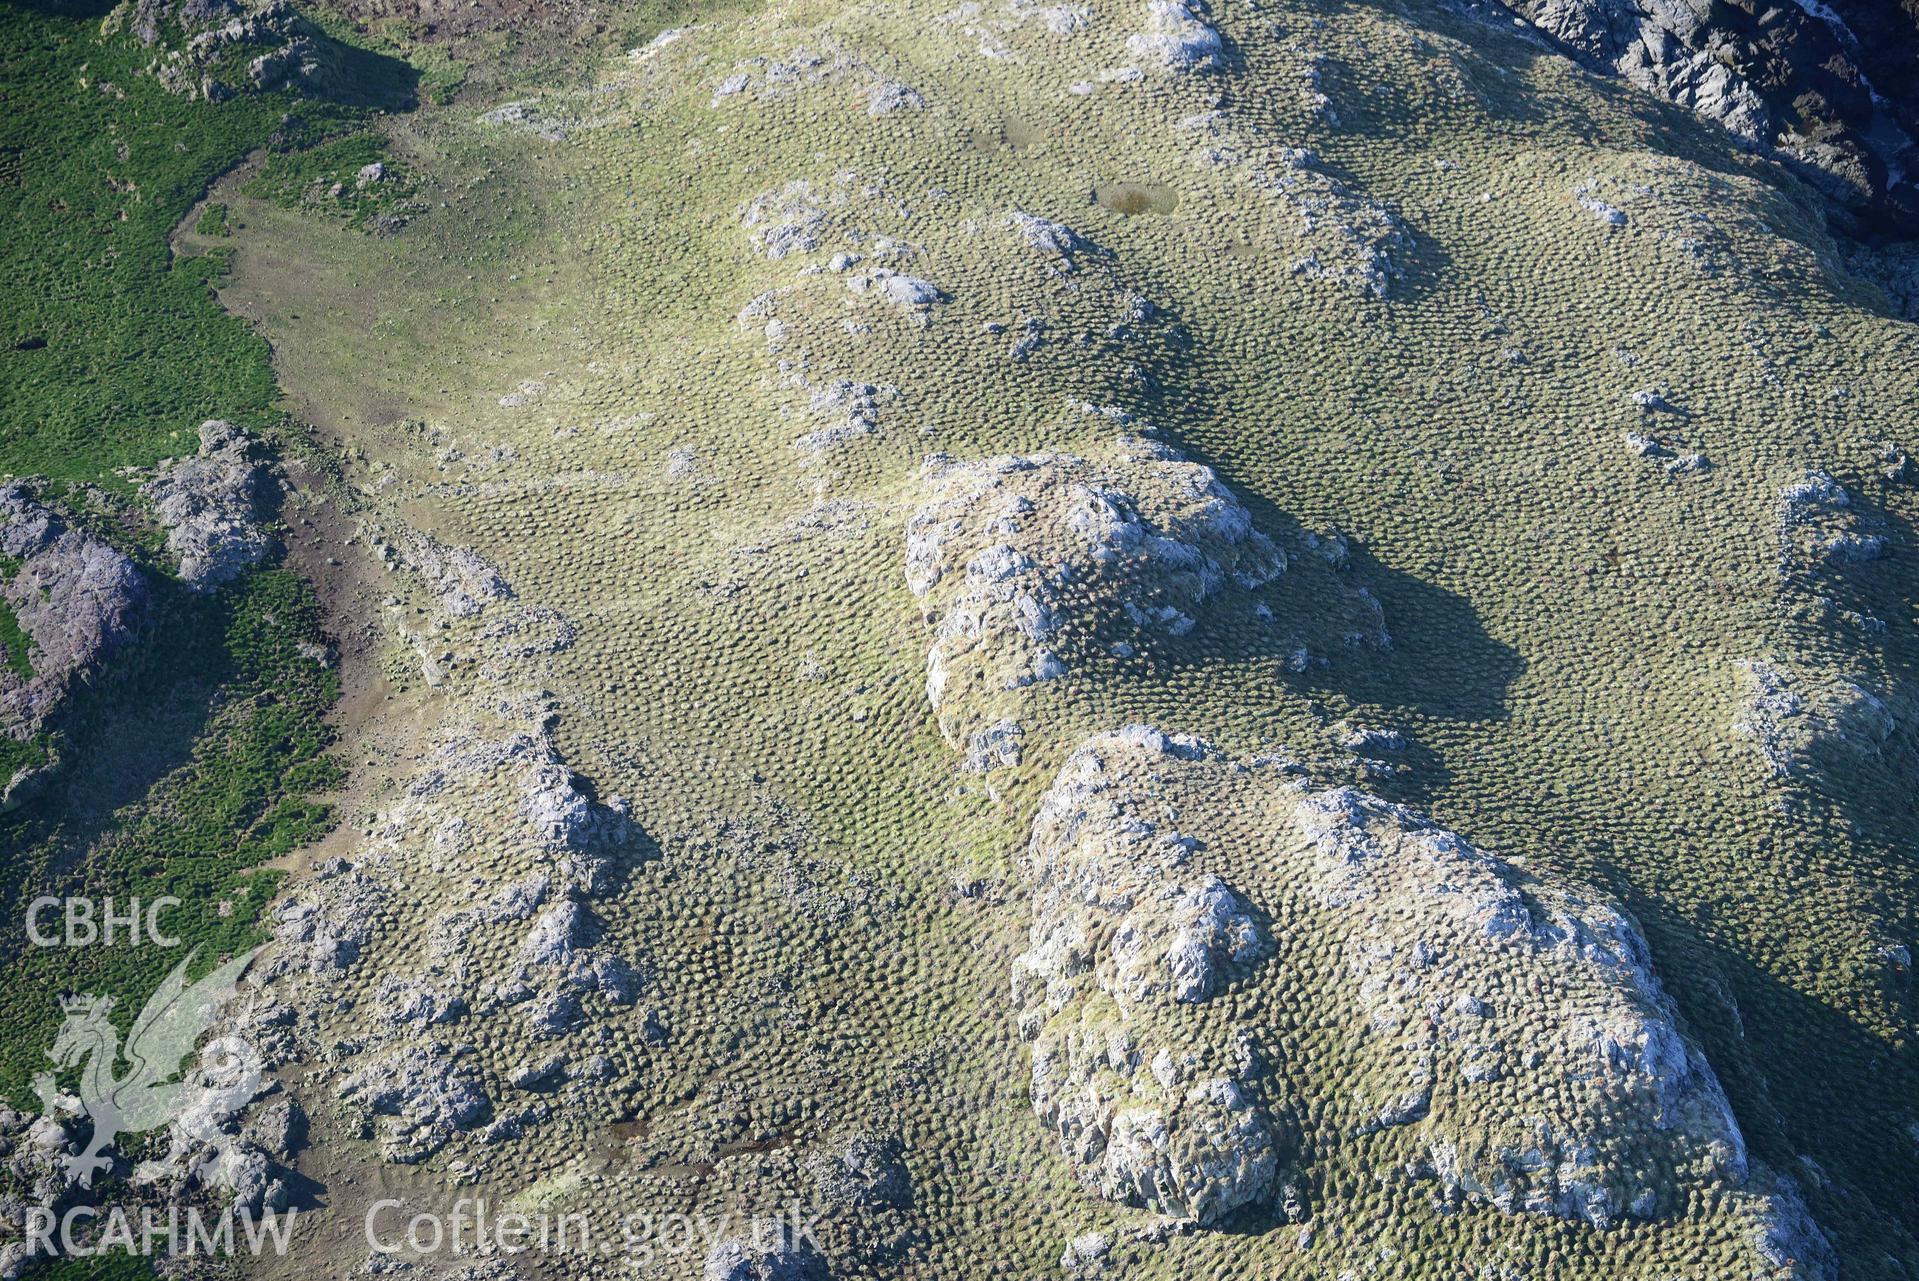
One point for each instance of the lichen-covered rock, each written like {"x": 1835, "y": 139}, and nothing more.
{"x": 214, "y": 507}
{"x": 76, "y": 599}
{"x": 1479, "y": 984}
{"x": 1791, "y": 79}
{"x": 1508, "y": 1030}
{"x": 1820, "y": 529}
{"x": 1123, "y": 932}
{"x": 463, "y": 581}
{"x": 1786, "y": 1238}
{"x": 322, "y": 926}
{"x": 1177, "y": 37}
{"x": 1341, "y": 237}
{"x": 866, "y": 1170}
{"x": 1790, "y": 715}
{"x": 1024, "y": 563}
{"x": 1054, "y": 240}
{"x": 889, "y": 96}
{"x": 771, "y": 1252}
{"x": 787, "y": 221}
{"x": 418, "y": 1098}
{"x": 195, "y": 42}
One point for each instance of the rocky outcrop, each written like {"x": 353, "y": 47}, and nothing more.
{"x": 196, "y": 42}
{"x": 772, "y": 1252}
{"x": 1479, "y": 985}
{"x": 1799, "y": 704}
{"x": 1333, "y": 234}
{"x": 1178, "y": 38}
{"x": 215, "y": 506}
{"x": 1793, "y": 79}
{"x": 1026, "y": 563}
{"x": 417, "y": 1098}
{"x": 1790, "y": 715}
{"x": 1784, "y": 1234}
{"x": 1507, "y": 1033}
{"x": 1124, "y": 932}
{"x": 76, "y": 600}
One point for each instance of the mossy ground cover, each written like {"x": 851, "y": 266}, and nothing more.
{"x": 333, "y": 177}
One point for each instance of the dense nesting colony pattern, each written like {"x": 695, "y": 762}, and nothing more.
{"x": 1257, "y": 1018}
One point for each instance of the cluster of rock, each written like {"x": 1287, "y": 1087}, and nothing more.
{"x": 1820, "y": 529}
{"x": 462, "y": 581}
{"x": 228, "y": 1145}
{"x": 521, "y": 948}
{"x": 764, "y": 79}
{"x": 76, "y": 598}
{"x": 1790, "y": 715}
{"x": 1340, "y": 236}
{"x": 766, "y": 1255}
{"x": 1511, "y": 1029}
{"x": 1347, "y": 239}
{"x": 197, "y": 40}
{"x": 540, "y": 117}
{"x": 215, "y": 507}
{"x": 1059, "y": 245}
{"x": 1794, "y": 79}
{"x": 1024, "y": 563}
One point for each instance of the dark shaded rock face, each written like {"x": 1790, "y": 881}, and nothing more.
{"x": 1831, "y": 89}
{"x": 75, "y": 598}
